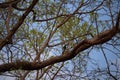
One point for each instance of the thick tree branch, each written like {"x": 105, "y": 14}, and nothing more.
{"x": 81, "y": 46}
{"x": 24, "y": 65}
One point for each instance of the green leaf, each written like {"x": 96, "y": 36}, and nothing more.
{"x": 82, "y": 1}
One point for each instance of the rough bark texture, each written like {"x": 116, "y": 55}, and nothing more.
{"x": 83, "y": 45}
{"x": 24, "y": 65}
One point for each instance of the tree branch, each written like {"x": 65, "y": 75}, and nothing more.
{"x": 81, "y": 46}
{"x": 17, "y": 25}
{"x": 24, "y": 65}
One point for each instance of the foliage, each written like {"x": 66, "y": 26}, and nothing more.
{"x": 59, "y": 39}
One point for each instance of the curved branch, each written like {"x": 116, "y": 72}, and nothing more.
{"x": 6, "y": 4}
{"x": 17, "y": 25}
{"x": 81, "y": 46}
{"x": 24, "y": 65}
{"x": 13, "y": 4}
{"x": 65, "y": 15}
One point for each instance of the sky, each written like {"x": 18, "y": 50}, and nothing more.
{"x": 97, "y": 57}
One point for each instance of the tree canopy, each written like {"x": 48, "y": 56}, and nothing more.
{"x": 53, "y": 39}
